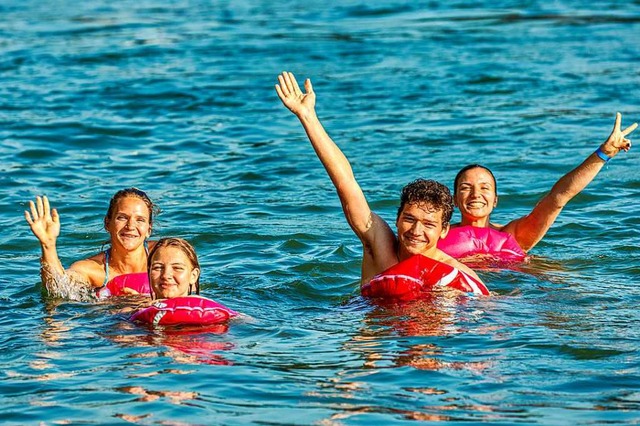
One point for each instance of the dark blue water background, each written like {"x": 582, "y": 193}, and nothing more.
{"x": 177, "y": 98}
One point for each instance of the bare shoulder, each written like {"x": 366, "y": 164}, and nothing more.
{"x": 378, "y": 248}
{"x": 376, "y": 223}
{"x": 499, "y": 227}
{"x": 526, "y": 230}
{"x": 92, "y": 269}
{"x": 379, "y": 238}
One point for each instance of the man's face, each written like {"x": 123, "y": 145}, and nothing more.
{"x": 419, "y": 228}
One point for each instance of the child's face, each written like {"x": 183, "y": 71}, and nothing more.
{"x": 171, "y": 273}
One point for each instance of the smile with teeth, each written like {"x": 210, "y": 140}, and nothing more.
{"x": 475, "y": 204}
{"x": 415, "y": 240}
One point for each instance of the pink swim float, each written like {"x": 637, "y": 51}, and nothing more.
{"x": 138, "y": 282}
{"x": 417, "y": 276}
{"x": 464, "y": 241}
{"x": 187, "y": 310}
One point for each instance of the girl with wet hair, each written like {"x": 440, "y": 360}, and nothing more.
{"x": 174, "y": 270}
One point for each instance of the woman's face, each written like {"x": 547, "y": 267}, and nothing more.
{"x": 475, "y": 195}
{"x": 129, "y": 224}
{"x": 171, "y": 273}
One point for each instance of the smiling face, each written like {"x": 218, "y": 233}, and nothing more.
{"x": 129, "y": 224}
{"x": 475, "y": 195}
{"x": 419, "y": 229}
{"x": 172, "y": 273}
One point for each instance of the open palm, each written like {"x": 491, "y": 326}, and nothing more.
{"x": 292, "y": 97}
{"x": 44, "y": 221}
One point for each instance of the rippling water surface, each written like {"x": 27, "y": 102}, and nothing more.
{"x": 177, "y": 98}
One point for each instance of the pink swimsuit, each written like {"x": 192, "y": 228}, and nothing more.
{"x": 138, "y": 281}
{"x": 463, "y": 241}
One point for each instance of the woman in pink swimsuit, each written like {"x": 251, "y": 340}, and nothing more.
{"x": 476, "y": 196}
{"x": 121, "y": 269}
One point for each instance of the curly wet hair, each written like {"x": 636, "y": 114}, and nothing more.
{"x": 427, "y": 191}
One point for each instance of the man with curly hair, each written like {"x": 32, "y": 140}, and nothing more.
{"x": 425, "y": 209}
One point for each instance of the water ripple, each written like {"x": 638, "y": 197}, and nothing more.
{"x": 178, "y": 99}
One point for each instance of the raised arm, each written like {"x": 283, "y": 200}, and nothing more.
{"x": 45, "y": 225}
{"x": 530, "y": 229}
{"x": 354, "y": 204}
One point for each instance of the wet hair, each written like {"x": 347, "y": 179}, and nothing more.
{"x": 431, "y": 192}
{"x": 469, "y": 167}
{"x": 134, "y": 193}
{"x": 188, "y": 251}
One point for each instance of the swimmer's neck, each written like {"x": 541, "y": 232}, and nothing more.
{"x": 477, "y": 222}
{"x": 432, "y": 253}
{"x": 128, "y": 261}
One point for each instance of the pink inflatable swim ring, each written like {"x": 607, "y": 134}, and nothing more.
{"x": 417, "y": 276}
{"x": 464, "y": 241}
{"x": 138, "y": 282}
{"x": 187, "y": 310}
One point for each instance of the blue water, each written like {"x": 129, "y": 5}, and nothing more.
{"x": 177, "y": 98}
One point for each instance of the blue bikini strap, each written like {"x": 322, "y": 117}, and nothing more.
{"x": 106, "y": 267}
{"x": 106, "y": 262}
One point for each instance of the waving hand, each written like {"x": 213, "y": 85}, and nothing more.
{"x": 301, "y": 104}
{"x": 44, "y": 221}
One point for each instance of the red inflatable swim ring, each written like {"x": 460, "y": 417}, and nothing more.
{"x": 418, "y": 275}
{"x": 187, "y": 310}
{"x": 463, "y": 241}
